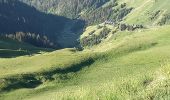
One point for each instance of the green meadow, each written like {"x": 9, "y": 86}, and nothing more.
{"x": 131, "y": 64}
{"x": 135, "y": 66}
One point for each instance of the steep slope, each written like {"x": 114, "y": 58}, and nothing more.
{"x": 143, "y": 14}
{"x": 65, "y": 31}
{"x": 149, "y": 12}
{"x": 68, "y": 8}
{"x": 16, "y": 16}
{"x": 92, "y": 11}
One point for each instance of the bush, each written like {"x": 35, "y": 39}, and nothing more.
{"x": 94, "y": 39}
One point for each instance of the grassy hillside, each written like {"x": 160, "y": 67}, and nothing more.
{"x": 134, "y": 66}
{"x": 148, "y": 12}
{"x": 10, "y": 48}
{"x": 114, "y": 65}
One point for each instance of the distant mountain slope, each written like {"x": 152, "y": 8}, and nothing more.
{"x": 92, "y": 11}
{"x": 44, "y": 16}
{"x": 148, "y": 12}
{"x": 68, "y": 8}
{"x": 22, "y": 16}
{"x": 143, "y": 13}
{"x": 16, "y": 16}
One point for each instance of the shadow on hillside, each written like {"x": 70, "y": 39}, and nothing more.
{"x": 8, "y": 53}
{"x": 36, "y": 79}
{"x": 73, "y": 68}
{"x": 16, "y": 16}
{"x": 10, "y": 49}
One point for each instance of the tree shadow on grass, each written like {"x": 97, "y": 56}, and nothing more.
{"x": 10, "y": 49}
{"x": 36, "y": 79}
{"x": 7, "y": 53}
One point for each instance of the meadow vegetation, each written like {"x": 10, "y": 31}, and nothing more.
{"x": 116, "y": 63}
{"x": 136, "y": 67}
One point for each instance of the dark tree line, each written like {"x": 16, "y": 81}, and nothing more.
{"x": 165, "y": 19}
{"x": 155, "y": 15}
{"x": 128, "y": 27}
{"x": 31, "y": 38}
{"x": 93, "y": 39}
{"x": 112, "y": 12}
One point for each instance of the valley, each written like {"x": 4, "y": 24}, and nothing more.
{"x": 105, "y": 50}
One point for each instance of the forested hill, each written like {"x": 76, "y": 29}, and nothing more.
{"x": 68, "y": 8}
{"x": 63, "y": 21}
{"x": 92, "y": 11}
{"x": 16, "y": 16}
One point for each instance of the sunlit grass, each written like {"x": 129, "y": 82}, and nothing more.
{"x": 134, "y": 66}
